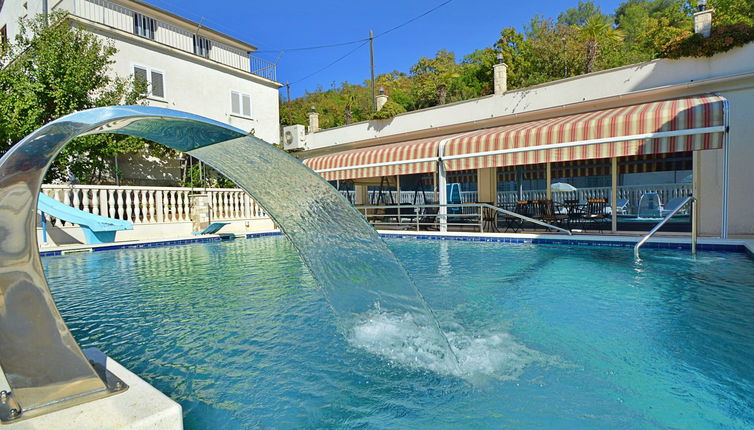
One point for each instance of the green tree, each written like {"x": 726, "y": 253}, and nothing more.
{"x": 56, "y": 69}
{"x": 435, "y": 79}
{"x": 729, "y": 12}
{"x": 515, "y": 50}
{"x": 554, "y": 52}
{"x": 595, "y": 32}
{"x": 648, "y": 25}
{"x": 580, "y": 14}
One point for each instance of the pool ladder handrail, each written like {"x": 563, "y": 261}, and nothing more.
{"x": 468, "y": 205}
{"x": 687, "y": 200}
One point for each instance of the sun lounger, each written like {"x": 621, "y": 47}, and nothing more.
{"x": 211, "y": 229}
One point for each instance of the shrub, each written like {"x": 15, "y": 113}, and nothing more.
{"x": 722, "y": 38}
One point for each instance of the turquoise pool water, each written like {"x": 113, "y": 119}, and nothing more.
{"x": 547, "y": 336}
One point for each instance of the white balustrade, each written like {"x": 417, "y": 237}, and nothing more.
{"x": 152, "y": 205}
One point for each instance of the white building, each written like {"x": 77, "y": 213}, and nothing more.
{"x": 189, "y": 67}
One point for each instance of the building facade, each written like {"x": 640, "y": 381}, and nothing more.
{"x": 188, "y": 66}
{"x": 657, "y": 130}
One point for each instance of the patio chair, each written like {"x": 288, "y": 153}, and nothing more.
{"x": 596, "y": 213}
{"x": 546, "y": 212}
{"x": 671, "y": 205}
{"x": 523, "y": 207}
{"x": 574, "y": 209}
{"x": 621, "y": 206}
{"x": 428, "y": 219}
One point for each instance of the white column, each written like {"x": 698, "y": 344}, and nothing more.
{"x": 442, "y": 188}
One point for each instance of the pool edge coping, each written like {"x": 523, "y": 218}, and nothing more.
{"x": 680, "y": 243}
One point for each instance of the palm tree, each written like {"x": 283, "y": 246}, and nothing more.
{"x": 595, "y": 30}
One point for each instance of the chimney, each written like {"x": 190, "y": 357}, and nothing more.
{"x": 313, "y": 120}
{"x": 381, "y": 99}
{"x": 500, "y": 74}
{"x": 703, "y": 19}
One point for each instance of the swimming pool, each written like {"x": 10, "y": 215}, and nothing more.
{"x": 547, "y": 336}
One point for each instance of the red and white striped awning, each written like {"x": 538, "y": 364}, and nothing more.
{"x": 404, "y": 158}
{"x": 678, "y": 125}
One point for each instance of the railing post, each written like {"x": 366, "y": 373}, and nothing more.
{"x": 694, "y": 231}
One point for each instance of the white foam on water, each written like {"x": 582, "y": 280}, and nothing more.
{"x": 495, "y": 354}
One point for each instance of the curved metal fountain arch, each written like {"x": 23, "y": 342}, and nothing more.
{"x": 42, "y": 363}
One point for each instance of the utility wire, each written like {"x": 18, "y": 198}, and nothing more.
{"x": 352, "y": 42}
{"x": 309, "y": 48}
{"x": 331, "y": 64}
{"x": 363, "y": 42}
{"x": 413, "y": 19}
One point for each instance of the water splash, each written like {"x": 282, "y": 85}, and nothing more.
{"x": 495, "y": 354}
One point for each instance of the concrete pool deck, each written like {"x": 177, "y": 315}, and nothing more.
{"x": 140, "y": 407}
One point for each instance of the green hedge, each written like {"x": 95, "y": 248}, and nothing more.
{"x": 722, "y": 38}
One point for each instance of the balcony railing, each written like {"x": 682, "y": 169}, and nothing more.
{"x": 149, "y": 205}
{"x": 122, "y": 18}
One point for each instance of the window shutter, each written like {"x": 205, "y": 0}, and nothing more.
{"x": 235, "y": 103}
{"x": 158, "y": 87}
{"x": 246, "y": 99}
{"x": 140, "y": 74}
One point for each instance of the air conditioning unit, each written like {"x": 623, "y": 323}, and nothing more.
{"x": 294, "y": 137}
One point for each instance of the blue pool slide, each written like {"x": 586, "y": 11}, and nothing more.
{"x": 97, "y": 229}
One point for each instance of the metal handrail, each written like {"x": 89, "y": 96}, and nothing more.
{"x": 465, "y": 205}
{"x": 662, "y": 223}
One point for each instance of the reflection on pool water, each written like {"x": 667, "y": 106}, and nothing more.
{"x": 547, "y": 336}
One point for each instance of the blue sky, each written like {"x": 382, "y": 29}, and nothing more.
{"x": 460, "y": 26}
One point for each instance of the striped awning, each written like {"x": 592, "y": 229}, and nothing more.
{"x": 668, "y": 126}
{"x": 678, "y": 125}
{"x": 404, "y": 158}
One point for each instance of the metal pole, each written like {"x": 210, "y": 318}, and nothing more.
{"x": 117, "y": 175}
{"x": 44, "y": 11}
{"x": 614, "y": 195}
{"x": 693, "y": 227}
{"x": 290, "y": 114}
{"x": 44, "y": 228}
{"x": 371, "y": 61}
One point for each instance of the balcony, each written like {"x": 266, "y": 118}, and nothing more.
{"x": 122, "y": 18}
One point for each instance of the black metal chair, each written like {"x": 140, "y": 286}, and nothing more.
{"x": 596, "y": 213}
{"x": 523, "y": 207}
{"x": 574, "y": 210}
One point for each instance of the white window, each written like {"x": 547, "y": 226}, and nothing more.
{"x": 202, "y": 46}
{"x": 155, "y": 80}
{"x": 144, "y": 26}
{"x": 240, "y": 104}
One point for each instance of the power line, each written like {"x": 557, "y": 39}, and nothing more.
{"x": 352, "y": 42}
{"x": 331, "y": 64}
{"x": 309, "y": 48}
{"x": 414, "y": 19}
{"x": 363, "y": 42}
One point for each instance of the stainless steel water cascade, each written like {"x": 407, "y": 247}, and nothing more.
{"x": 45, "y": 368}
